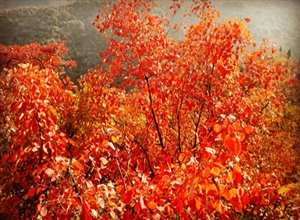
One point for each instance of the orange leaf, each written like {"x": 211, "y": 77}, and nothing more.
{"x": 249, "y": 129}
{"x": 71, "y": 141}
{"x": 226, "y": 194}
{"x": 217, "y": 128}
{"x": 152, "y": 205}
{"x": 237, "y": 168}
{"x": 237, "y": 125}
{"x": 218, "y": 206}
{"x": 52, "y": 109}
{"x": 233, "y": 193}
{"x": 215, "y": 171}
{"x": 210, "y": 187}
{"x": 77, "y": 165}
{"x": 197, "y": 202}
{"x": 241, "y": 137}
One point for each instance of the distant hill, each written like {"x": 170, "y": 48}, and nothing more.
{"x": 9, "y": 4}
{"x": 24, "y": 22}
{"x": 69, "y": 22}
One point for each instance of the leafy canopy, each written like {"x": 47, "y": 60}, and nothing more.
{"x": 198, "y": 135}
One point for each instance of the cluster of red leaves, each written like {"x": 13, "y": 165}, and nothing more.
{"x": 191, "y": 139}
{"x": 48, "y": 56}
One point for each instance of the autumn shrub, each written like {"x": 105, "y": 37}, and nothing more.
{"x": 204, "y": 133}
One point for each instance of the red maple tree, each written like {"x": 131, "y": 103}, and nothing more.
{"x": 197, "y": 135}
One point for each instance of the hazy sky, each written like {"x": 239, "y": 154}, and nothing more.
{"x": 277, "y": 20}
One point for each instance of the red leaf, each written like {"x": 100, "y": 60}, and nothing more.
{"x": 126, "y": 197}
{"x": 35, "y": 126}
{"x": 16, "y": 106}
{"x": 27, "y": 124}
{"x": 85, "y": 213}
{"x": 229, "y": 143}
{"x": 127, "y": 215}
{"x": 237, "y": 147}
{"x": 168, "y": 160}
{"x": 30, "y": 193}
{"x": 247, "y": 19}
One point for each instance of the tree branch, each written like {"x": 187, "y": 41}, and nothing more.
{"x": 153, "y": 114}
{"x": 263, "y": 108}
{"x": 197, "y": 125}
{"x": 147, "y": 157}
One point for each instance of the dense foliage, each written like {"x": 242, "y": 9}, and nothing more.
{"x": 208, "y": 130}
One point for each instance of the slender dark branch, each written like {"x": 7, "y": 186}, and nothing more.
{"x": 263, "y": 108}
{"x": 121, "y": 174}
{"x": 197, "y": 125}
{"x": 74, "y": 185}
{"x": 209, "y": 85}
{"x": 179, "y": 127}
{"x": 147, "y": 157}
{"x": 153, "y": 114}
{"x": 42, "y": 142}
{"x": 40, "y": 61}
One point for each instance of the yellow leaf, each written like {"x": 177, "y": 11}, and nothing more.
{"x": 286, "y": 188}
{"x": 233, "y": 193}
{"x": 52, "y": 109}
{"x": 217, "y": 128}
{"x": 292, "y": 186}
{"x": 283, "y": 189}
{"x": 243, "y": 26}
{"x": 152, "y": 205}
{"x": 229, "y": 177}
{"x": 114, "y": 139}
